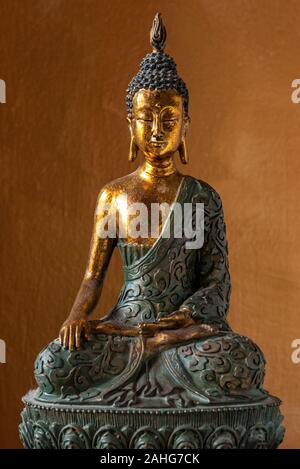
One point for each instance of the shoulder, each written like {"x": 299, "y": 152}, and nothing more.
{"x": 113, "y": 189}
{"x": 206, "y": 194}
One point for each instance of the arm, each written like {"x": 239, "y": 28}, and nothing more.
{"x": 209, "y": 304}
{"x": 101, "y": 249}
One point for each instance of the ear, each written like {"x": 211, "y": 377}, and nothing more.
{"x": 186, "y": 124}
{"x": 129, "y": 121}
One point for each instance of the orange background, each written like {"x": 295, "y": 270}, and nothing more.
{"x": 63, "y": 135}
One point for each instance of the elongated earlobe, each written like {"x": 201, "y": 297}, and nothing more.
{"x": 183, "y": 152}
{"x": 133, "y": 150}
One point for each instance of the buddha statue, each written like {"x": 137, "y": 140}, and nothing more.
{"x": 167, "y": 343}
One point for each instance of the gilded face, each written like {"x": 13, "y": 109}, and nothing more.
{"x": 158, "y": 122}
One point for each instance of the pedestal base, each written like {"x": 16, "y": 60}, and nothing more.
{"x": 77, "y": 426}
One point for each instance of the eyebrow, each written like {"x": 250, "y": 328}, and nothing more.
{"x": 144, "y": 108}
{"x": 169, "y": 107}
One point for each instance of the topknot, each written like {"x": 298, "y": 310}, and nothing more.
{"x": 157, "y": 70}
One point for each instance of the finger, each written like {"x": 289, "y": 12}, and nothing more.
{"x": 61, "y": 336}
{"x": 142, "y": 329}
{"x": 77, "y": 336}
{"x": 148, "y": 332}
{"x": 208, "y": 329}
{"x": 71, "y": 338}
{"x": 172, "y": 317}
{"x": 150, "y": 328}
{"x": 88, "y": 331}
{"x": 66, "y": 337}
{"x": 142, "y": 325}
{"x": 148, "y": 325}
{"x": 161, "y": 319}
{"x": 166, "y": 318}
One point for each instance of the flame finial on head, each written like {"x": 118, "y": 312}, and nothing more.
{"x": 158, "y": 34}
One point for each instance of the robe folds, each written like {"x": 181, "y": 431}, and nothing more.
{"x": 118, "y": 371}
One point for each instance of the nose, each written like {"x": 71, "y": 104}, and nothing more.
{"x": 156, "y": 128}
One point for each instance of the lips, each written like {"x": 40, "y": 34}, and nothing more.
{"x": 157, "y": 144}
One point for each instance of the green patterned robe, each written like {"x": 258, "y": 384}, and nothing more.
{"x": 118, "y": 371}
